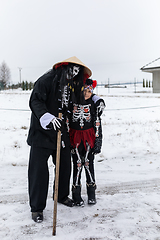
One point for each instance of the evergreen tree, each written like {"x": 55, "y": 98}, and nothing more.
{"x": 23, "y": 85}
{"x": 149, "y": 84}
{"x": 26, "y": 85}
{"x": 143, "y": 83}
{"x": 30, "y": 86}
{"x": 146, "y": 83}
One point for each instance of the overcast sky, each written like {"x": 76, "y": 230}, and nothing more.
{"x": 114, "y": 38}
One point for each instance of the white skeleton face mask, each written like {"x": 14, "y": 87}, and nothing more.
{"x": 72, "y": 72}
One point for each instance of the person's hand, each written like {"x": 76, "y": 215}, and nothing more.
{"x": 97, "y": 146}
{"x": 95, "y": 151}
{"x": 49, "y": 121}
{"x": 57, "y": 124}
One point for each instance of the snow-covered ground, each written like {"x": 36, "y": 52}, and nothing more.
{"x": 127, "y": 173}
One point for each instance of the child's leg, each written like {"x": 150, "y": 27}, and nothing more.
{"x": 89, "y": 166}
{"x": 90, "y": 178}
{"x": 77, "y": 170}
{"x": 77, "y": 167}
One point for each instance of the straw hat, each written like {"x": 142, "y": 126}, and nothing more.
{"x": 76, "y": 61}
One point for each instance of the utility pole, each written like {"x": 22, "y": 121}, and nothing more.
{"x": 108, "y": 86}
{"x": 20, "y": 69}
{"x": 135, "y": 84}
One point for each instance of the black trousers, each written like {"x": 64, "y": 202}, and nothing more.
{"x": 38, "y": 176}
{"x": 80, "y": 159}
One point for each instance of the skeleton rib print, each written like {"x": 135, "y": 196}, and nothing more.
{"x": 81, "y": 113}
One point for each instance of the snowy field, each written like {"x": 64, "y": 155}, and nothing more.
{"x": 127, "y": 173}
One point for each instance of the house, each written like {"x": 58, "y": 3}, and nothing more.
{"x": 154, "y": 68}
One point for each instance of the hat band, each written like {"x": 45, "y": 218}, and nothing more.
{"x": 89, "y": 87}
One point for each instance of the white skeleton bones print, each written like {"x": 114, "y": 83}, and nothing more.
{"x": 101, "y": 107}
{"x": 65, "y": 97}
{"x": 81, "y": 113}
{"x": 86, "y": 165}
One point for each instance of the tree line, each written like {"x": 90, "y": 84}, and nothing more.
{"x": 5, "y": 76}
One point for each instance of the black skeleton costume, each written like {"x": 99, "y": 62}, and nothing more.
{"x": 86, "y": 140}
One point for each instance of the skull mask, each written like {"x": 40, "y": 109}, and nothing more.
{"x": 72, "y": 71}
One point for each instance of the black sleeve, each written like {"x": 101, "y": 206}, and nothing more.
{"x": 39, "y": 97}
{"x": 99, "y": 104}
{"x": 98, "y": 133}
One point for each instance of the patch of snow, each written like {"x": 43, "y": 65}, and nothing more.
{"x": 127, "y": 173}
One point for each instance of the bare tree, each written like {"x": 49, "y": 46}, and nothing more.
{"x": 5, "y": 74}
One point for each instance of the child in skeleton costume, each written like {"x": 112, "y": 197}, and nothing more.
{"x": 86, "y": 140}
{"x": 53, "y": 93}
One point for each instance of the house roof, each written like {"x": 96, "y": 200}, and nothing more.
{"x": 152, "y": 66}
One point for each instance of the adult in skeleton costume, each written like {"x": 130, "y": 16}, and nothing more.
{"x": 53, "y": 92}
{"x": 86, "y": 140}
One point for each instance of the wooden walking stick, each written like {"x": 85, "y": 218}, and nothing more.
{"x": 56, "y": 178}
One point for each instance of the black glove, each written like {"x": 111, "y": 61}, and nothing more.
{"x": 97, "y": 146}
{"x": 95, "y": 151}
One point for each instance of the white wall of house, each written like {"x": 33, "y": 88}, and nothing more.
{"x": 156, "y": 81}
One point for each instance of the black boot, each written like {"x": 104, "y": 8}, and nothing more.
{"x": 37, "y": 216}
{"x": 91, "y": 193}
{"x": 76, "y": 195}
{"x": 67, "y": 202}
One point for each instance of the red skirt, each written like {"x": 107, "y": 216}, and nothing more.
{"x": 76, "y": 136}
